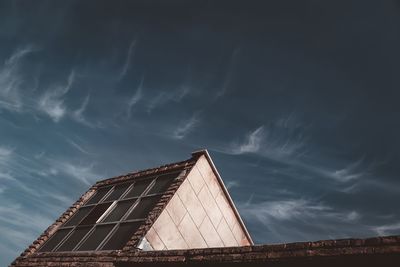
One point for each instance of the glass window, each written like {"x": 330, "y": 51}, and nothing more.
{"x": 95, "y": 214}
{"x": 96, "y": 237}
{"x": 74, "y": 238}
{"x": 162, "y": 183}
{"x": 138, "y": 188}
{"x": 78, "y": 216}
{"x": 119, "y": 211}
{"x": 117, "y": 192}
{"x": 121, "y": 236}
{"x": 106, "y": 222}
{"x": 143, "y": 208}
{"x": 54, "y": 240}
{"x": 100, "y": 193}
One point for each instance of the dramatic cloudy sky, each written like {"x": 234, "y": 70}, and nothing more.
{"x": 297, "y": 102}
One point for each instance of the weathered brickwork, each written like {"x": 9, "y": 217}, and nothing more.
{"x": 386, "y": 250}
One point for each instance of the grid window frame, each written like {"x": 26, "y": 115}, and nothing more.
{"x": 114, "y": 203}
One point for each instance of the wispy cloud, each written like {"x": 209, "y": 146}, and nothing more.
{"x": 159, "y": 100}
{"x": 61, "y": 198}
{"x": 387, "y": 229}
{"x": 229, "y": 74}
{"x": 351, "y": 172}
{"x": 6, "y": 175}
{"x": 82, "y": 173}
{"x": 128, "y": 59}
{"x": 346, "y": 178}
{"x": 282, "y": 139}
{"x": 288, "y": 220}
{"x": 78, "y": 115}
{"x": 251, "y": 144}
{"x": 11, "y": 80}
{"x": 285, "y": 209}
{"x": 16, "y": 215}
{"x": 14, "y": 226}
{"x": 232, "y": 183}
{"x": 182, "y": 92}
{"x": 186, "y": 127}
{"x": 77, "y": 146}
{"x": 52, "y": 101}
{"x": 2, "y": 189}
{"x": 5, "y": 157}
{"x": 5, "y": 152}
{"x": 135, "y": 98}
{"x": 162, "y": 98}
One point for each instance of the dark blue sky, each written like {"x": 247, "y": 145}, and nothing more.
{"x": 297, "y": 102}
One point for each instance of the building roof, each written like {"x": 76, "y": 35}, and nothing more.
{"x": 73, "y": 230}
{"x": 161, "y": 186}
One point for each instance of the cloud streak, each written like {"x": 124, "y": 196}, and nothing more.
{"x": 11, "y": 80}
{"x": 136, "y": 97}
{"x": 162, "y": 98}
{"x": 387, "y": 229}
{"x": 279, "y": 217}
{"x": 78, "y": 115}
{"x": 229, "y": 74}
{"x": 285, "y": 210}
{"x": 51, "y": 102}
{"x": 82, "y": 173}
{"x": 186, "y": 127}
{"x": 128, "y": 59}
{"x": 280, "y": 140}
{"x": 5, "y": 152}
{"x": 251, "y": 144}
{"x": 77, "y": 146}
{"x": 351, "y": 172}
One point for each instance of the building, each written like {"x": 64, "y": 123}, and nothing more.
{"x": 180, "y": 214}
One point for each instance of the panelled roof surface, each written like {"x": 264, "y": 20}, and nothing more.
{"x": 109, "y": 215}
{"x": 68, "y": 242}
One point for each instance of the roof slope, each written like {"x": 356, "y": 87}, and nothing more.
{"x": 180, "y": 168}
{"x": 116, "y": 214}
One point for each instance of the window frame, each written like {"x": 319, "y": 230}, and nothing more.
{"x": 114, "y": 203}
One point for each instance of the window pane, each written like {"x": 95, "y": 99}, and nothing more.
{"x": 54, "y": 240}
{"x": 120, "y": 210}
{"x": 162, "y": 183}
{"x": 74, "y": 239}
{"x": 124, "y": 232}
{"x": 78, "y": 216}
{"x": 100, "y": 193}
{"x": 96, "y": 237}
{"x": 138, "y": 188}
{"x": 142, "y": 209}
{"x": 95, "y": 214}
{"x": 118, "y": 191}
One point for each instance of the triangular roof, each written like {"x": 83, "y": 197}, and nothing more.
{"x": 191, "y": 175}
{"x": 135, "y": 202}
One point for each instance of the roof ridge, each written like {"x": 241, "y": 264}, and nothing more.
{"x": 145, "y": 172}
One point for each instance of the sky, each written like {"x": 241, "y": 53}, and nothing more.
{"x": 296, "y": 101}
